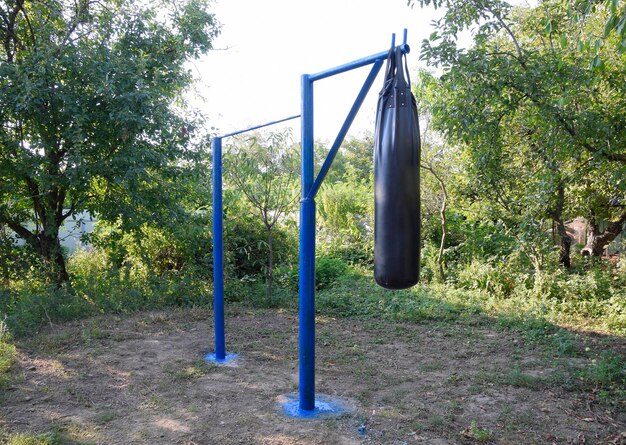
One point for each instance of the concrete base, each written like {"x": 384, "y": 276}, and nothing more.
{"x": 325, "y": 406}
{"x": 210, "y": 357}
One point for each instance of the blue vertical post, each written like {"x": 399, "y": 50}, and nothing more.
{"x": 218, "y": 252}
{"x": 220, "y": 355}
{"x": 307, "y": 254}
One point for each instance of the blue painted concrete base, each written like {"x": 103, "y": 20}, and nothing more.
{"x": 325, "y": 406}
{"x": 210, "y": 357}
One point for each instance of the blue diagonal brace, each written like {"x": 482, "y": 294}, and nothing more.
{"x": 344, "y": 128}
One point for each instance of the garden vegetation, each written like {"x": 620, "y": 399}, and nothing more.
{"x": 522, "y": 132}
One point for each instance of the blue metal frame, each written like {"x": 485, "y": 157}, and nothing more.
{"x": 306, "y": 402}
{"x": 310, "y": 188}
{"x": 220, "y": 355}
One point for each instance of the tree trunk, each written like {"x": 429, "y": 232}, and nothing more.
{"x": 442, "y": 217}
{"x": 444, "y": 233}
{"x": 4, "y": 255}
{"x": 270, "y": 264}
{"x": 47, "y": 244}
{"x": 50, "y": 249}
{"x": 565, "y": 244}
{"x": 596, "y": 241}
{"x": 565, "y": 241}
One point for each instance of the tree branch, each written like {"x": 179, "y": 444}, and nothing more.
{"x": 21, "y": 231}
{"x": 518, "y": 48}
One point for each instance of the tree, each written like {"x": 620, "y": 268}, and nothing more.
{"x": 437, "y": 159}
{"x": 538, "y": 112}
{"x": 91, "y": 113}
{"x": 264, "y": 168}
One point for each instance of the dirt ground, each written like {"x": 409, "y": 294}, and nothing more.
{"x": 142, "y": 380}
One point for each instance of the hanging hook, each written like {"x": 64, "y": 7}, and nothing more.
{"x": 393, "y": 40}
{"x": 405, "y": 48}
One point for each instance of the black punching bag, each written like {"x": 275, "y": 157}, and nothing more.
{"x": 396, "y": 180}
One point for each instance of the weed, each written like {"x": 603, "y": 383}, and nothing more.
{"x": 59, "y": 435}
{"x": 29, "y": 439}
{"x": 436, "y": 421}
{"x": 519, "y": 379}
{"x": 106, "y": 416}
{"x": 8, "y": 354}
{"x": 455, "y": 378}
{"x": 563, "y": 343}
{"x": 476, "y": 433}
{"x": 607, "y": 374}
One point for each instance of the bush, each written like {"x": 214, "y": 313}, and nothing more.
{"x": 328, "y": 270}
{"x": 247, "y": 250}
{"x": 494, "y": 277}
{"x": 346, "y": 222}
{"x": 98, "y": 286}
{"x": 186, "y": 248}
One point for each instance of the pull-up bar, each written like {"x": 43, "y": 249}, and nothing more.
{"x": 220, "y": 355}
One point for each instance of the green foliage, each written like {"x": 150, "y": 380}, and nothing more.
{"x": 183, "y": 248}
{"x": 361, "y": 297}
{"x": 247, "y": 250}
{"x": 8, "y": 353}
{"x": 58, "y": 435}
{"x": 493, "y": 277}
{"x": 345, "y": 206}
{"x": 607, "y": 374}
{"x": 353, "y": 160}
{"x": 92, "y": 117}
{"x": 346, "y": 221}
{"x": 477, "y": 433}
{"x": 328, "y": 271}
{"x": 531, "y": 149}
{"x": 99, "y": 286}
{"x": 262, "y": 172}
{"x": 29, "y": 439}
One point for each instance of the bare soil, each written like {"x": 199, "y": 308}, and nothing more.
{"x": 142, "y": 380}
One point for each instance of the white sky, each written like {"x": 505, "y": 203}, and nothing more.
{"x": 266, "y": 45}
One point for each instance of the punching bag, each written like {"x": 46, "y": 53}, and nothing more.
{"x": 396, "y": 180}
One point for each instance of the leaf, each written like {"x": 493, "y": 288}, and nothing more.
{"x": 597, "y": 63}
{"x": 609, "y": 25}
{"x": 548, "y": 27}
{"x": 563, "y": 41}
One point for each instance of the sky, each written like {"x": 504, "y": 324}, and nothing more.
{"x": 253, "y": 74}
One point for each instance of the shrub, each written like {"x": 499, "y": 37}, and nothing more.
{"x": 247, "y": 250}
{"x": 328, "y": 270}
{"x": 494, "y": 277}
{"x": 186, "y": 248}
{"x": 346, "y": 222}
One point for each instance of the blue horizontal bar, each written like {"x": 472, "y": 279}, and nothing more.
{"x": 356, "y": 64}
{"x": 256, "y": 127}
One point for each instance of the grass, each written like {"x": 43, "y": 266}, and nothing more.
{"x": 59, "y": 435}
{"x": 476, "y": 433}
{"x": 540, "y": 319}
{"x": 181, "y": 371}
{"x": 8, "y": 354}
